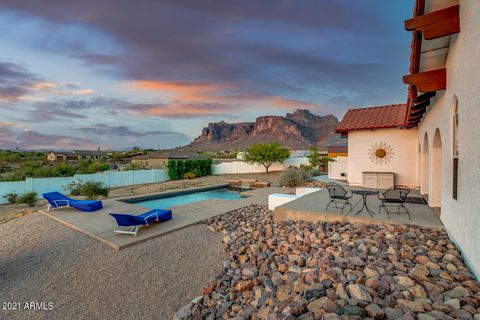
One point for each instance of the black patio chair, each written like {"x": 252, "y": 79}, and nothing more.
{"x": 394, "y": 197}
{"x": 338, "y": 194}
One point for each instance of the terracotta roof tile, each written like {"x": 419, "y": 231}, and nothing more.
{"x": 389, "y": 116}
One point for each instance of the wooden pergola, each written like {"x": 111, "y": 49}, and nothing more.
{"x": 426, "y": 27}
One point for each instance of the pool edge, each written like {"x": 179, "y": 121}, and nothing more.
{"x": 166, "y": 194}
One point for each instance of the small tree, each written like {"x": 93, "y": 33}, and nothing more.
{"x": 324, "y": 163}
{"x": 266, "y": 154}
{"x": 180, "y": 169}
{"x": 172, "y": 169}
{"x": 314, "y": 157}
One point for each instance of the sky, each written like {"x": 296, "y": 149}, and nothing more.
{"x": 116, "y": 74}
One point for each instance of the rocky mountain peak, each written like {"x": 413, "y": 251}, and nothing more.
{"x": 298, "y": 130}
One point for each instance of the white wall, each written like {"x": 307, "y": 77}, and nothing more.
{"x": 110, "y": 178}
{"x": 243, "y": 167}
{"x": 403, "y": 163}
{"x": 337, "y": 167}
{"x": 461, "y": 217}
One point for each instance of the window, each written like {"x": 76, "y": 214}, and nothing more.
{"x": 455, "y": 151}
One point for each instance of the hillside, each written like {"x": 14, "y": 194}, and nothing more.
{"x": 298, "y": 130}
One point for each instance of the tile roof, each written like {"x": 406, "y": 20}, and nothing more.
{"x": 388, "y": 116}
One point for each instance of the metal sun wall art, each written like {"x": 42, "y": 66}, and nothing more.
{"x": 381, "y": 153}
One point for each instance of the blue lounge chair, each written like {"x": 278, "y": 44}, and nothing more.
{"x": 57, "y": 200}
{"x": 132, "y": 223}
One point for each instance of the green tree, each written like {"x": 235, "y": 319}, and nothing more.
{"x": 314, "y": 157}
{"x": 180, "y": 169}
{"x": 172, "y": 169}
{"x": 266, "y": 154}
{"x": 324, "y": 160}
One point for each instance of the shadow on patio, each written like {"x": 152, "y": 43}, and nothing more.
{"x": 312, "y": 207}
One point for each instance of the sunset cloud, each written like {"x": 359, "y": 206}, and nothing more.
{"x": 124, "y": 131}
{"x": 13, "y": 135}
{"x": 181, "y": 64}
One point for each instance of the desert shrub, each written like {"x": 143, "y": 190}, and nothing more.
{"x": 189, "y": 175}
{"x": 316, "y": 172}
{"x": 11, "y": 197}
{"x": 172, "y": 169}
{"x": 103, "y": 167}
{"x": 29, "y": 198}
{"x": 291, "y": 178}
{"x": 89, "y": 189}
{"x": 306, "y": 173}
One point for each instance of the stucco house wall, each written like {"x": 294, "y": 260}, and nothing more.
{"x": 151, "y": 163}
{"x": 461, "y": 217}
{"x": 404, "y": 144}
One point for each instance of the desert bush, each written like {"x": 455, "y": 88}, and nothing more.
{"x": 29, "y": 198}
{"x": 291, "y": 178}
{"x": 316, "y": 172}
{"x": 90, "y": 189}
{"x": 189, "y": 175}
{"x": 103, "y": 167}
{"x": 11, "y": 197}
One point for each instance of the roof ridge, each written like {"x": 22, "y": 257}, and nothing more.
{"x": 376, "y": 107}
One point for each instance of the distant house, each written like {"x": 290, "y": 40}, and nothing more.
{"x": 159, "y": 160}
{"x": 304, "y": 153}
{"x": 75, "y": 155}
{"x": 337, "y": 146}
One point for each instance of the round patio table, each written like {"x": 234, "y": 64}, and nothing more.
{"x": 364, "y": 194}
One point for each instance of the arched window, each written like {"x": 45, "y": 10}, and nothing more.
{"x": 455, "y": 149}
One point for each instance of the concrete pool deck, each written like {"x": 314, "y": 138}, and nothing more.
{"x": 311, "y": 207}
{"x": 99, "y": 225}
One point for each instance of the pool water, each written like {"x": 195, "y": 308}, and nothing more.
{"x": 161, "y": 203}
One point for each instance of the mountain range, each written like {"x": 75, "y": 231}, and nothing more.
{"x": 298, "y": 130}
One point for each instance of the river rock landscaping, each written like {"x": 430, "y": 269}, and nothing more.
{"x": 306, "y": 271}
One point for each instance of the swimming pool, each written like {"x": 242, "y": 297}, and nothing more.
{"x": 171, "y": 201}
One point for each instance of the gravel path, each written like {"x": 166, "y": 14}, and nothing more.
{"x": 44, "y": 261}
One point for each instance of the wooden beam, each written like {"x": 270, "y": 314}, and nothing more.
{"x": 425, "y": 96}
{"x": 423, "y": 105}
{"x": 436, "y": 24}
{"x": 428, "y": 81}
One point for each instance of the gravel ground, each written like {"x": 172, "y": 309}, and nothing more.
{"x": 334, "y": 271}
{"x": 44, "y": 261}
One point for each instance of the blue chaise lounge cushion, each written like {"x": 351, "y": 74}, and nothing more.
{"x": 129, "y": 220}
{"x": 56, "y": 200}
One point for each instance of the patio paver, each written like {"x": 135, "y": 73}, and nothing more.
{"x": 311, "y": 207}
{"x": 99, "y": 225}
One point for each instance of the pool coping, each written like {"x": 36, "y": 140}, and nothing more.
{"x": 167, "y": 194}
{"x": 99, "y": 225}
